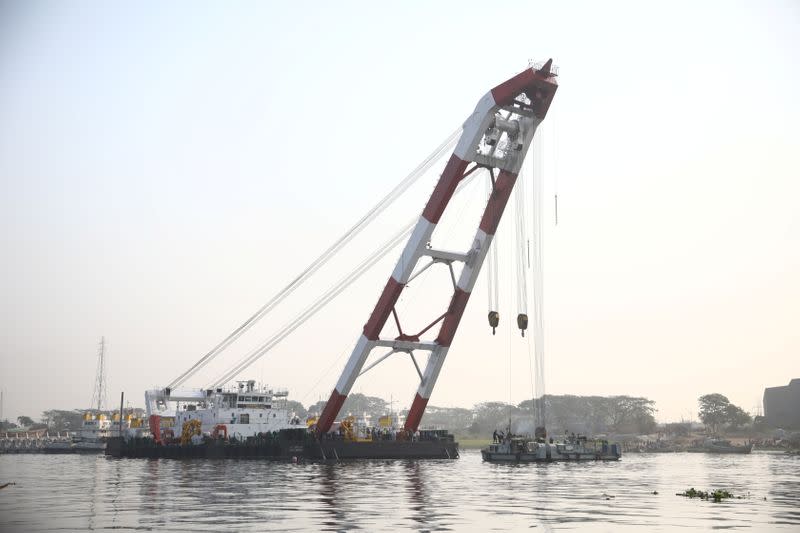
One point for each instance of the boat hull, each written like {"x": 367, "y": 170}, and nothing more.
{"x": 533, "y": 458}
{"x": 287, "y": 447}
{"x": 524, "y": 450}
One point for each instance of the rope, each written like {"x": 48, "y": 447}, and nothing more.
{"x": 519, "y": 205}
{"x": 321, "y": 302}
{"x": 315, "y": 307}
{"x": 323, "y": 258}
{"x": 538, "y": 290}
{"x": 492, "y": 264}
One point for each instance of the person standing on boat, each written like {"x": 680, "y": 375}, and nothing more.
{"x": 494, "y": 437}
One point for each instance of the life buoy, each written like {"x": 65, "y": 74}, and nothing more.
{"x": 220, "y": 428}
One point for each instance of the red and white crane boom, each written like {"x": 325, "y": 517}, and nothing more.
{"x": 495, "y": 137}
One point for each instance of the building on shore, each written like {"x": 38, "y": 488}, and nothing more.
{"x": 782, "y": 405}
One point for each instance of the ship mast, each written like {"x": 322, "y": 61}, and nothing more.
{"x": 99, "y": 392}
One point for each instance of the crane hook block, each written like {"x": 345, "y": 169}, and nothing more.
{"x": 494, "y": 320}
{"x": 522, "y": 322}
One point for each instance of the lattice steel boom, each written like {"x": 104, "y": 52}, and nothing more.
{"x": 495, "y": 137}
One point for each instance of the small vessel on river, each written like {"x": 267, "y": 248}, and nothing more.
{"x": 521, "y": 449}
{"x": 719, "y": 446}
{"x": 93, "y": 434}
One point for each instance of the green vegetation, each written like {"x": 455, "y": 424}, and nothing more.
{"x": 61, "y": 420}
{"x": 715, "y": 496}
{"x": 357, "y": 404}
{"x": 297, "y": 408}
{"x": 717, "y": 412}
{"x": 597, "y": 414}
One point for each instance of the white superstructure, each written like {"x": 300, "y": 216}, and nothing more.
{"x": 242, "y": 411}
{"x": 94, "y": 431}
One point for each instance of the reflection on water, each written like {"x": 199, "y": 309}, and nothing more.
{"x": 75, "y": 492}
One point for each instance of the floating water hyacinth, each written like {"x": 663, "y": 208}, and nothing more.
{"x": 715, "y": 496}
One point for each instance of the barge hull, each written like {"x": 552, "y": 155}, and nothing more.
{"x": 312, "y": 450}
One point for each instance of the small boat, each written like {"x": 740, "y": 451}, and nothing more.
{"x": 57, "y": 444}
{"x": 520, "y": 449}
{"x": 719, "y": 446}
{"x": 95, "y": 430}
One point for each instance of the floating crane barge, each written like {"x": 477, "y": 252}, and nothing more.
{"x": 495, "y": 139}
{"x": 293, "y": 444}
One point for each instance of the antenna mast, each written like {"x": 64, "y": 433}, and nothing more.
{"x": 99, "y": 393}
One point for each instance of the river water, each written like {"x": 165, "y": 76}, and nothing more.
{"x": 74, "y": 492}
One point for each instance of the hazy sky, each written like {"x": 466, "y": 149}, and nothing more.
{"x": 166, "y": 167}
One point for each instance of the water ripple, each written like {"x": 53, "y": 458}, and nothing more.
{"x": 68, "y": 493}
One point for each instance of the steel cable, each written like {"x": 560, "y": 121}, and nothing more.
{"x": 321, "y": 302}
{"x": 409, "y": 180}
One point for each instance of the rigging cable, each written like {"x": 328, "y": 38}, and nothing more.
{"x": 324, "y": 257}
{"x": 311, "y": 310}
{"x": 538, "y": 290}
{"x": 322, "y": 301}
{"x": 491, "y": 272}
{"x": 555, "y": 167}
{"x": 522, "y": 286}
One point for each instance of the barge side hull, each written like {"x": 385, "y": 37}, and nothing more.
{"x": 312, "y": 450}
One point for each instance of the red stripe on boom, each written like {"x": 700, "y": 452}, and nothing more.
{"x": 445, "y": 188}
{"x": 454, "y": 313}
{"x": 415, "y": 413}
{"x": 330, "y": 412}
{"x": 540, "y": 86}
{"x": 497, "y": 202}
{"x": 391, "y": 292}
{"x": 504, "y": 93}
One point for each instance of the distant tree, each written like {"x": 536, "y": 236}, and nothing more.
{"x": 296, "y": 408}
{"x": 713, "y": 410}
{"x": 5, "y": 425}
{"x": 25, "y": 421}
{"x": 455, "y": 419}
{"x": 316, "y": 408}
{"x": 736, "y": 417}
{"x": 493, "y": 415}
{"x": 631, "y": 414}
{"x": 716, "y": 412}
{"x": 679, "y": 429}
{"x": 59, "y": 420}
{"x": 356, "y": 404}
{"x": 596, "y": 414}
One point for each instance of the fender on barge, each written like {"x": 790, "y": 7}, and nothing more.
{"x": 292, "y": 444}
